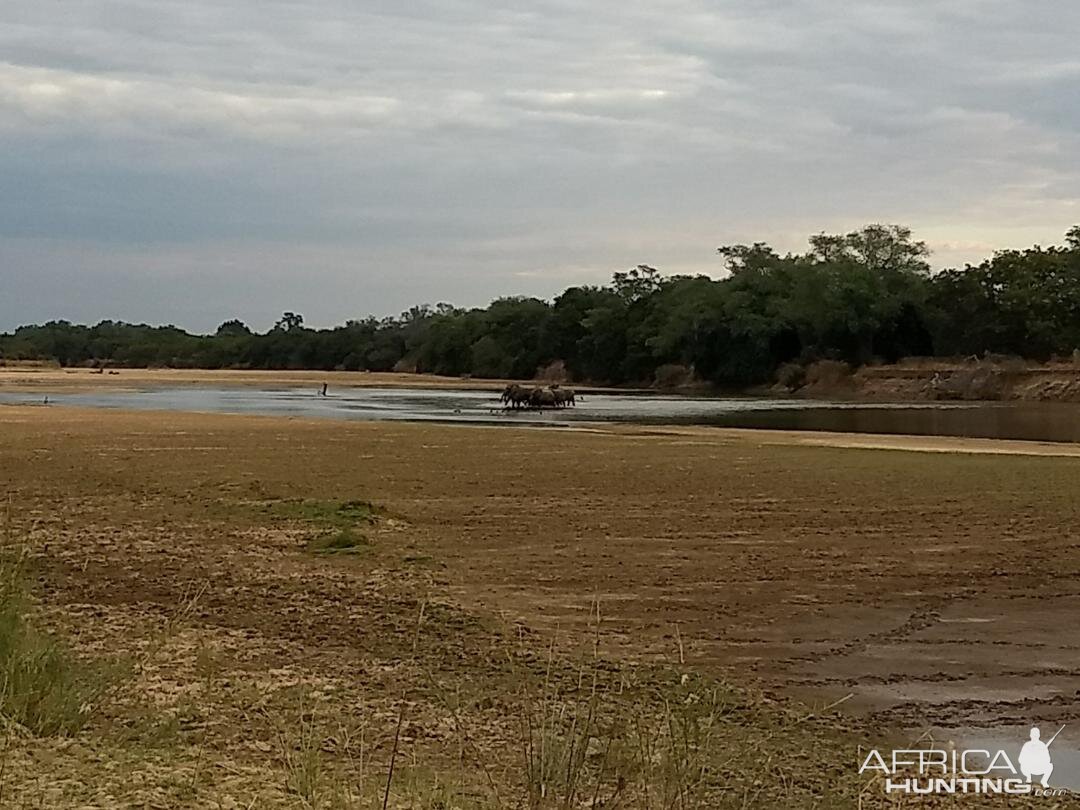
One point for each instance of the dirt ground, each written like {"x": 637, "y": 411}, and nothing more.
{"x": 937, "y": 589}
{"x": 31, "y": 378}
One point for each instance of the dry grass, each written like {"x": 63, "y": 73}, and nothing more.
{"x": 267, "y": 676}
{"x": 44, "y": 690}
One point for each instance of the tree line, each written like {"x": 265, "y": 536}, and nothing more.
{"x": 865, "y": 296}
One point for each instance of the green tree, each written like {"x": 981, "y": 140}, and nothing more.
{"x": 234, "y": 328}
{"x": 856, "y": 296}
{"x": 289, "y": 321}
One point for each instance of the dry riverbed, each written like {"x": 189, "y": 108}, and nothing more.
{"x": 293, "y": 606}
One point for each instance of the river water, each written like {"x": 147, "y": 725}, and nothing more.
{"x": 1013, "y": 420}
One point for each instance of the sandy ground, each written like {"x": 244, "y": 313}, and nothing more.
{"x": 937, "y": 588}
{"x": 47, "y": 379}
{"x": 30, "y": 379}
{"x": 857, "y": 441}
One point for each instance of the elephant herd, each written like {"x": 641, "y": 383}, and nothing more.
{"x": 521, "y": 396}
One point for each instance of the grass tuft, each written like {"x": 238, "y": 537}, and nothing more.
{"x": 330, "y": 514}
{"x": 43, "y": 687}
{"x": 345, "y": 541}
{"x": 338, "y": 523}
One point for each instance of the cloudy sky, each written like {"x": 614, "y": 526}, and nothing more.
{"x": 188, "y": 161}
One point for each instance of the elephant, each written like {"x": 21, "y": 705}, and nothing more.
{"x": 542, "y": 397}
{"x": 564, "y": 397}
{"x": 519, "y": 396}
{"x": 516, "y": 396}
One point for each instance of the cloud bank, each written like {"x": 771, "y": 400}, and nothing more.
{"x": 191, "y": 161}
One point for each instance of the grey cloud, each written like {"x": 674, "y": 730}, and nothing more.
{"x": 361, "y": 156}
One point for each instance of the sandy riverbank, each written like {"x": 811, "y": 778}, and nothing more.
{"x": 46, "y": 379}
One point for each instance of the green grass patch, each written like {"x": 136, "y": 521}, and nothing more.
{"x": 343, "y": 541}
{"x": 43, "y": 687}
{"x": 339, "y": 524}
{"x": 328, "y": 514}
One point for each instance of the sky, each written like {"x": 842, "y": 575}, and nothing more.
{"x": 190, "y": 161}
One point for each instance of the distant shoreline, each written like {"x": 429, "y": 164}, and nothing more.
{"x": 44, "y": 378}
{"x": 913, "y": 380}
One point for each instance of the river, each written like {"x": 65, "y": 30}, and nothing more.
{"x": 1005, "y": 420}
